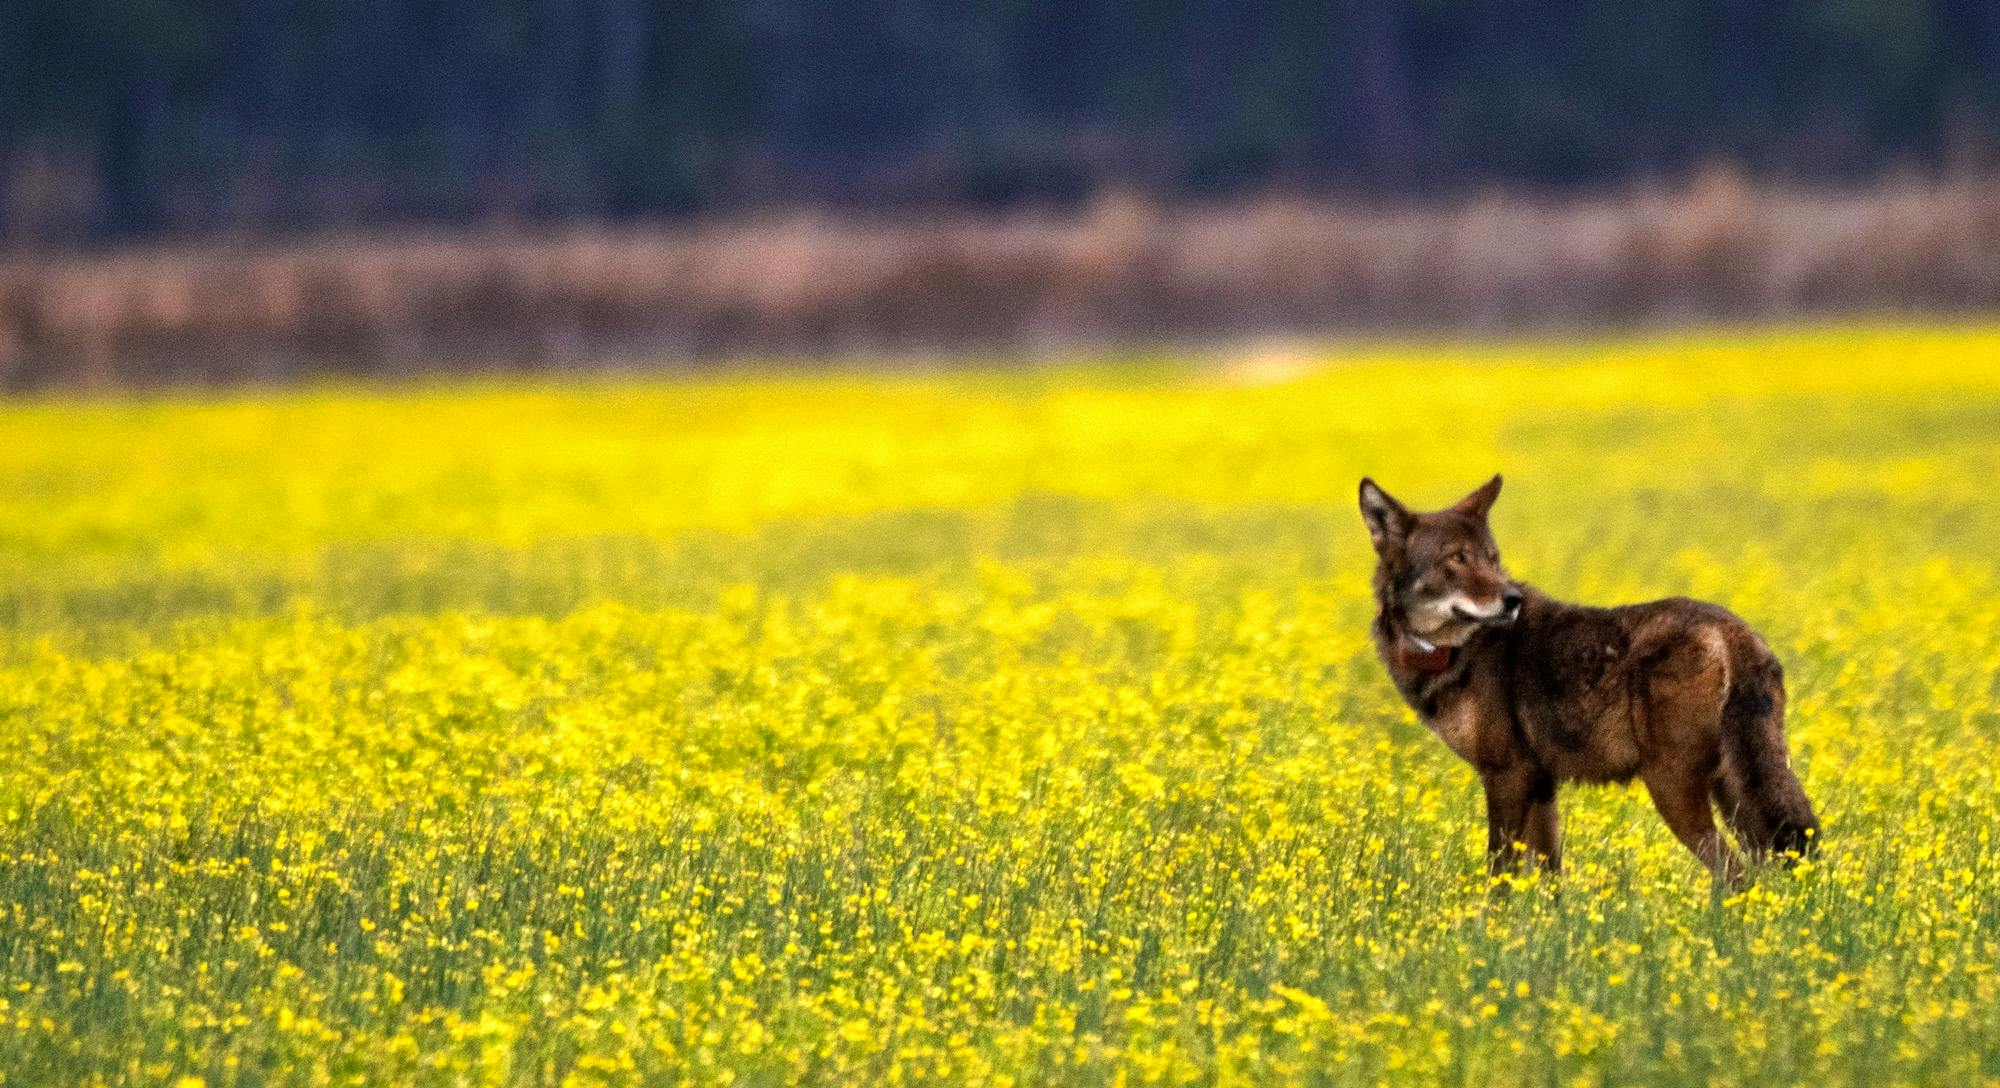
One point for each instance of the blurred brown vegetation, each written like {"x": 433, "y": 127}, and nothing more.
{"x": 1125, "y": 270}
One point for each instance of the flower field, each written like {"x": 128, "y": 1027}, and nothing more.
{"x": 979, "y": 728}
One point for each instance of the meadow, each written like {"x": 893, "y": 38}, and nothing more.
{"x": 983, "y": 728}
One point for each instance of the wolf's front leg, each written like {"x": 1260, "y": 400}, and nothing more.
{"x": 1509, "y": 796}
{"x": 1545, "y": 826}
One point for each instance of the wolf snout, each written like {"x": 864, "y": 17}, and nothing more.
{"x": 1498, "y": 614}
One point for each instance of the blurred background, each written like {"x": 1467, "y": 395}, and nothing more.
{"x": 198, "y": 191}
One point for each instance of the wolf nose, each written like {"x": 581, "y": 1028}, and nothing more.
{"x": 1510, "y": 603}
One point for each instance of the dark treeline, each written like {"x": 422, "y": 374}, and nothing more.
{"x": 126, "y": 118}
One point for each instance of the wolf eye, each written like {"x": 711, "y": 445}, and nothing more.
{"x": 1460, "y": 556}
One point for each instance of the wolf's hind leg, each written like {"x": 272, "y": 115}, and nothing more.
{"x": 1681, "y": 795}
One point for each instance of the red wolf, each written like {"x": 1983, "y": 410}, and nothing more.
{"x": 1534, "y": 692}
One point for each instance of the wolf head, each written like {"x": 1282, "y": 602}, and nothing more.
{"x": 1438, "y": 575}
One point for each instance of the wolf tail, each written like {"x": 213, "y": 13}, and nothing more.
{"x": 1755, "y": 787}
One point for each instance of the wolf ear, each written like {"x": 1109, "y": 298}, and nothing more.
{"x": 1386, "y": 518}
{"x": 1480, "y": 502}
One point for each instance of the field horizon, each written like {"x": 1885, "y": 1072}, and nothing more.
{"x": 1714, "y": 245}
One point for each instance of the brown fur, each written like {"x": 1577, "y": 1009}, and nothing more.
{"x": 1534, "y": 692}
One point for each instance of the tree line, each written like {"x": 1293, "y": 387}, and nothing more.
{"x": 138, "y": 118}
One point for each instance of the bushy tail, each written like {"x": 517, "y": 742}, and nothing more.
{"x": 1755, "y": 788}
